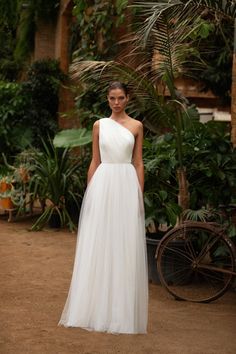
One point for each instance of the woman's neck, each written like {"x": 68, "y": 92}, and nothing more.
{"x": 119, "y": 116}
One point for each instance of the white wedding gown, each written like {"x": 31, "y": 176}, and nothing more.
{"x": 109, "y": 286}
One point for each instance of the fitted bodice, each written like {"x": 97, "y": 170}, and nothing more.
{"x": 116, "y": 142}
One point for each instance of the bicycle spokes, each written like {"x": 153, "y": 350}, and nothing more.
{"x": 195, "y": 263}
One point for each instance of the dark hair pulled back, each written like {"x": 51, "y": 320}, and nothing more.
{"x": 118, "y": 85}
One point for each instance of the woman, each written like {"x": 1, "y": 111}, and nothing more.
{"x": 109, "y": 284}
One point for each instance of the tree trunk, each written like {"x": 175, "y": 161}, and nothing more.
{"x": 183, "y": 196}
{"x": 233, "y": 94}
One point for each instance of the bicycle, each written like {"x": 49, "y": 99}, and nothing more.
{"x": 196, "y": 261}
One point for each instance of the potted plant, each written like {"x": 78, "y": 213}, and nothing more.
{"x": 18, "y": 177}
{"x": 6, "y": 187}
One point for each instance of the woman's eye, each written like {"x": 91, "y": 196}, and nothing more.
{"x": 118, "y": 98}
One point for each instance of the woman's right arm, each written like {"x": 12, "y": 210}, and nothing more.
{"x": 96, "y": 160}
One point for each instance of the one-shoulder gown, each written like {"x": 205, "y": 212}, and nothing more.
{"x": 109, "y": 286}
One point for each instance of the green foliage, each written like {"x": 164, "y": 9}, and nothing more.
{"x": 14, "y": 135}
{"x": 202, "y": 214}
{"x": 213, "y": 47}
{"x": 18, "y": 24}
{"x": 161, "y": 186}
{"x": 18, "y": 175}
{"x": 94, "y": 32}
{"x": 210, "y": 162}
{"x": 28, "y": 110}
{"x": 25, "y": 34}
{"x": 43, "y": 81}
{"x": 70, "y": 138}
{"x": 8, "y": 25}
{"x": 211, "y": 165}
{"x": 91, "y": 104}
{"x": 42, "y": 89}
{"x": 8, "y": 10}
{"x": 56, "y": 181}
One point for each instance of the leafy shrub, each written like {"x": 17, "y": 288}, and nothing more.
{"x": 161, "y": 187}
{"x": 14, "y": 133}
{"x": 211, "y": 165}
{"x": 210, "y": 162}
{"x": 28, "y": 110}
{"x": 42, "y": 88}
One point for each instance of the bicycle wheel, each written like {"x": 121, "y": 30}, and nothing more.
{"x": 196, "y": 262}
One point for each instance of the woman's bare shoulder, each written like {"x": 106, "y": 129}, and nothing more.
{"x": 136, "y": 123}
{"x": 96, "y": 126}
{"x": 96, "y": 123}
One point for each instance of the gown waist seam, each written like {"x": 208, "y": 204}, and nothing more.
{"x": 116, "y": 163}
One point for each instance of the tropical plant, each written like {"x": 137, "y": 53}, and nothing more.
{"x": 213, "y": 46}
{"x": 70, "y": 138}
{"x": 202, "y": 214}
{"x": 55, "y": 182}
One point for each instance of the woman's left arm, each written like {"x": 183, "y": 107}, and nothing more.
{"x": 138, "y": 156}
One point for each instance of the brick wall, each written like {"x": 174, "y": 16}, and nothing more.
{"x": 45, "y": 40}
{"x": 51, "y": 41}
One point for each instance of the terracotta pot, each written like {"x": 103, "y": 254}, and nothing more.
{"x": 4, "y": 186}
{"x": 5, "y": 203}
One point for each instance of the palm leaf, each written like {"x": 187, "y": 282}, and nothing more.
{"x": 224, "y": 7}
{"x": 155, "y": 112}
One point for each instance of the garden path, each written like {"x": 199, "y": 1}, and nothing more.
{"x": 35, "y": 274}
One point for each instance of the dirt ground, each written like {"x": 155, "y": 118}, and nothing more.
{"x": 35, "y": 272}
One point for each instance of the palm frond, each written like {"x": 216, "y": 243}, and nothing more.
{"x": 224, "y": 7}
{"x": 198, "y": 215}
{"x": 166, "y": 33}
{"x": 158, "y": 53}
{"x": 145, "y": 96}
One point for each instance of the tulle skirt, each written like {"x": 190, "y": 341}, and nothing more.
{"x": 109, "y": 286}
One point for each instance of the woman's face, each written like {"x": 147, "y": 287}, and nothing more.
{"x": 117, "y": 100}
